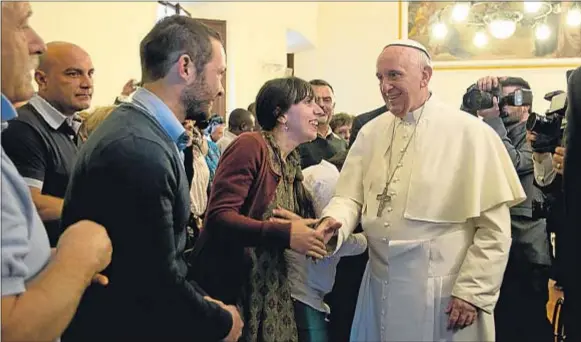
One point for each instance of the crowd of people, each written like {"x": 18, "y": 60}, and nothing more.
{"x": 155, "y": 219}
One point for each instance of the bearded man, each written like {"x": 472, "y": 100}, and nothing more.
{"x": 129, "y": 176}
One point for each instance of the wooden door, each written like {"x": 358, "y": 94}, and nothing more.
{"x": 220, "y": 27}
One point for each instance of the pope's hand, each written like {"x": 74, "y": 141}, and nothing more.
{"x": 461, "y": 314}
{"x": 328, "y": 227}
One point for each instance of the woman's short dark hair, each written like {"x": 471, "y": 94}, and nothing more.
{"x": 277, "y": 96}
{"x": 171, "y": 37}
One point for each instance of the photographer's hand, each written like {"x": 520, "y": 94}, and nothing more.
{"x": 559, "y": 160}
{"x": 493, "y": 112}
{"x": 489, "y": 82}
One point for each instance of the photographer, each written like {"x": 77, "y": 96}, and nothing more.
{"x": 520, "y": 313}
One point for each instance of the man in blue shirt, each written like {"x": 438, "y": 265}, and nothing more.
{"x": 129, "y": 176}
{"x": 40, "y": 291}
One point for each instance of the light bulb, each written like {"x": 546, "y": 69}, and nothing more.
{"x": 480, "y": 39}
{"x": 502, "y": 28}
{"x": 574, "y": 17}
{"x": 460, "y": 11}
{"x": 439, "y": 31}
{"x": 532, "y": 6}
{"x": 543, "y": 32}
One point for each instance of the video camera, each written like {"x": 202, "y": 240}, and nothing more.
{"x": 549, "y": 127}
{"x": 476, "y": 99}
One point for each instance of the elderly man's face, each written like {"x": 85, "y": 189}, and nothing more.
{"x": 21, "y": 46}
{"x": 325, "y": 99}
{"x": 402, "y": 77}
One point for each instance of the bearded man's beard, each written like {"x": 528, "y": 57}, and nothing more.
{"x": 195, "y": 108}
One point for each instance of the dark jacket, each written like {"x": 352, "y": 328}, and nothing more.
{"x": 530, "y": 239}
{"x": 322, "y": 148}
{"x": 571, "y": 234}
{"x": 362, "y": 119}
{"x": 243, "y": 187}
{"x": 129, "y": 177}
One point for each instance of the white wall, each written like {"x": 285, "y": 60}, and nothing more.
{"x": 351, "y": 36}
{"x": 256, "y": 41}
{"x": 347, "y": 38}
{"x": 109, "y": 31}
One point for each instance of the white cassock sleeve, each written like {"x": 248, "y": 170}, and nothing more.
{"x": 346, "y": 204}
{"x": 483, "y": 268}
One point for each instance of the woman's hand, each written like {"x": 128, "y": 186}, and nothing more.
{"x": 304, "y": 239}
{"x": 284, "y": 216}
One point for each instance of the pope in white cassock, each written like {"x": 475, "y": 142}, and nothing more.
{"x": 432, "y": 187}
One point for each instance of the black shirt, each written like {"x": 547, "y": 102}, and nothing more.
{"x": 44, "y": 155}
{"x": 321, "y": 148}
{"x": 130, "y": 178}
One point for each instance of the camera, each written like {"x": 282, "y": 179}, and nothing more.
{"x": 550, "y": 123}
{"x": 476, "y": 99}
{"x": 549, "y": 127}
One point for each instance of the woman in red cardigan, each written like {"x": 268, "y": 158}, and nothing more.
{"x": 239, "y": 257}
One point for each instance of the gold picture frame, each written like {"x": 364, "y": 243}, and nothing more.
{"x": 483, "y": 64}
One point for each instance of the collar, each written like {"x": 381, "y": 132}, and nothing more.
{"x": 154, "y": 106}
{"x": 8, "y": 110}
{"x": 229, "y": 134}
{"x": 414, "y": 116}
{"x": 51, "y": 115}
{"x": 329, "y": 132}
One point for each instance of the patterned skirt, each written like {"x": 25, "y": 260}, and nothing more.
{"x": 267, "y": 304}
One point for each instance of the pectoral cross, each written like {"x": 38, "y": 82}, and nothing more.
{"x": 383, "y": 198}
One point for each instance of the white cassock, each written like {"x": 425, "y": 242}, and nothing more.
{"x": 446, "y": 230}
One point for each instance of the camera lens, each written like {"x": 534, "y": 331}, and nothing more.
{"x": 531, "y": 121}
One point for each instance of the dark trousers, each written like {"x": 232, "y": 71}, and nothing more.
{"x": 311, "y": 324}
{"x": 521, "y": 312}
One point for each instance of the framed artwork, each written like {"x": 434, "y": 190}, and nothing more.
{"x": 503, "y": 35}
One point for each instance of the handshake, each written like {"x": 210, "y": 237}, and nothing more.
{"x": 304, "y": 239}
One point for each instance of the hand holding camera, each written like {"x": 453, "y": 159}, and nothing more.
{"x": 489, "y": 84}
{"x": 486, "y": 99}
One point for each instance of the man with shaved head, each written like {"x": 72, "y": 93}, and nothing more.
{"x": 40, "y": 289}
{"x": 42, "y": 140}
{"x": 431, "y": 187}
{"x": 240, "y": 120}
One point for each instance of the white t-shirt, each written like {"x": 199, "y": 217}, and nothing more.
{"x": 310, "y": 281}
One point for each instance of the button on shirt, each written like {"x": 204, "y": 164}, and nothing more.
{"x": 398, "y": 186}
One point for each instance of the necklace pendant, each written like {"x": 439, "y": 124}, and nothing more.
{"x": 384, "y": 198}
